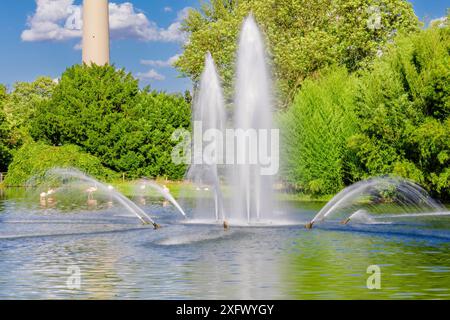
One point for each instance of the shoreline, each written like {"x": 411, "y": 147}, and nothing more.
{"x": 183, "y": 189}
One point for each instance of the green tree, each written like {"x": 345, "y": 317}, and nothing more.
{"x": 403, "y": 109}
{"x": 315, "y": 130}
{"x": 21, "y": 104}
{"x": 5, "y": 143}
{"x": 103, "y": 111}
{"x": 5, "y": 133}
{"x": 3, "y": 94}
{"x": 304, "y": 36}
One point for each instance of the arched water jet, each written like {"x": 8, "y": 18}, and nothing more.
{"x": 64, "y": 176}
{"x": 405, "y": 196}
{"x": 165, "y": 193}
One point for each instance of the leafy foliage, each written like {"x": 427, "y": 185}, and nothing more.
{"x": 5, "y": 143}
{"x": 393, "y": 118}
{"x": 102, "y": 110}
{"x": 403, "y": 108}
{"x": 16, "y": 110}
{"x": 304, "y": 36}
{"x": 22, "y": 102}
{"x": 34, "y": 159}
{"x": 315, "y": 132}
{"x": 5, "y": 134}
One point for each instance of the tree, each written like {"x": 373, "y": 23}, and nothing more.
{"x": 5, "y": 142}
{"x": 303, "y": 36}
{"x": 315, "y": 130}
{"x": 3, "y": 94}
{"x": 403, "y": 108}
{"x": 103, "y": 111}
{"x": 21, "y": 104}
{"x": 5, "y": 133}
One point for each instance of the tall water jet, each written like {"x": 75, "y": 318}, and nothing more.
{"x": 388, "y": 194}
{"x": 209, "y": 123}
{"x": 252, "y": 191}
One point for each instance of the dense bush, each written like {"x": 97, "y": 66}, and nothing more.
{"x": 403, "y": 108}
{"x": 34, "y": 159}
{"x": 315, "y": 132}
{"x": 303, "y": 35}
{"x": 103, "y": 111}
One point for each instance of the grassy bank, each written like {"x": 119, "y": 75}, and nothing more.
{"x": 187, "y": 190}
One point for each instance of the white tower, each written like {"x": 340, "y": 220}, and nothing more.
{"x": 96, "y": 32}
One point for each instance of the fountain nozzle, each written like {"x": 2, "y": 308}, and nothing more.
{"x": 346, "y": 221}
{"x": 156, "y": 226}
{"x": 309, "y": 225}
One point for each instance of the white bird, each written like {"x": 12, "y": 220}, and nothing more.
{"x": 91, "y": 189}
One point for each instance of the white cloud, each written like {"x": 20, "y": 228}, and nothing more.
{"x": 174, "y": 33}
{"x": 161, "y": 63}
{"x": 62, "y": 20}
{"x": 150, "y": 75}
{"x": 53, "y": 19}
{"x": 439, "y": 22}
{"x": 168, "y": 9}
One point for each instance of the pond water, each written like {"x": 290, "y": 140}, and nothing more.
{"x": 118, "y": 258}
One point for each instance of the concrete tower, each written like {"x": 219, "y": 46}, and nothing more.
{"x": 96, "y": 32}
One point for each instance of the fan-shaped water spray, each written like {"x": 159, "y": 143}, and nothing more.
{"x": 375, "y": 198}
{"x": 60, "y": 183}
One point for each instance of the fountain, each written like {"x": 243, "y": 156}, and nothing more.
{"x": 164, "y": 191}
{"x": 251, "y": 191}
{"x": 378, "y": 196}
{"x": 68, "y": 186}
{"x": 208, "y": 115}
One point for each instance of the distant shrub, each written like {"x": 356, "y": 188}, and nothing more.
{"x": 35, "y": 159}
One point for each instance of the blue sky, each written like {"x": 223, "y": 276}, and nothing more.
{"x": 145, "y": 36}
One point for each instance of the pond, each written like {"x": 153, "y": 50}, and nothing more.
{"x": 118, "y": 258}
